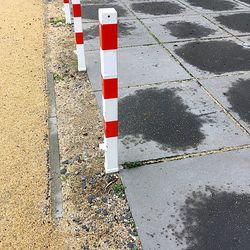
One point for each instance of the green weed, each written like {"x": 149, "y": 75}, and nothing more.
{"x": 118, "y": 189}
{"x": 135, "y": 164}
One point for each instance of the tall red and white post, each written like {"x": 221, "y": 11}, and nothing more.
{"x": 67, "y": 11}
{"x": 79, "y": 36}
{"x": 108, "y": 51}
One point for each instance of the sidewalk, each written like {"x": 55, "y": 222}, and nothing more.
{"x": 25, "y": 221}
{"x": 184, "y": 78}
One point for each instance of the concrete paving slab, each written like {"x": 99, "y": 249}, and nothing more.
{"x": 138, "y": 66}
{"x": 215, "y": 6}
{"x": 158, "y": 8}
{"x": 245, "y": 40}
{"x": 198, "y": 203}
{"x": 244, "y": 2}
{"x": 235, "y": 23}
{"x": 181, "y": 28}
{"x": 90, "y": 10}
{"x": 172, "y": 119}
{"x": 98, "y": 1}
{"x": 131, "y": 33}
{"x": 212, "y": 57}
{"x": 233, "y": 92}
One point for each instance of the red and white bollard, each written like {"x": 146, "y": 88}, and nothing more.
{"x": 108, "y": 50}
{"x": 78, "y": 28}
{"x": 67, "y": 11}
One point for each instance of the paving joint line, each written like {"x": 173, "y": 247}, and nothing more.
{"x": 242, "y": 3}
{"x": 192, "y": 155}
{"x": 243, "y": 129}
{"x": 150, "y": 84}
{"x": 126, "y": 46}
{"x": 178, "y": 81}
{"x": 171, "y": 42}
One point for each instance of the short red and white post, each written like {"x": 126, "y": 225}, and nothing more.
{"x": 108, "y": 51}
{"x": 67, "y": 11}
{"x": 79, "y": 36}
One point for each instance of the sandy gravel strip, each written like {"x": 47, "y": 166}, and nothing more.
{"x": 25, "y": 221}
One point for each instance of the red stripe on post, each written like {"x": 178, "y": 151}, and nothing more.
{"x": 79, "y": 38}
{"x": 110, "y": 88}
{"x": 66, "y": 1}
{"x": 111, "y": 129}
{"x": 108, "y": 36}
{"x": 77, "y": 11}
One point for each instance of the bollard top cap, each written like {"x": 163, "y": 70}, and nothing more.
{"x": 107, "y": 16}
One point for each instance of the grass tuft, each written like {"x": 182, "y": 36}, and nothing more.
{"x": 56, "y": 21}
{"x": 57, "y": 77}
{"x": 135, "y": 164}
{"x": 119, "y": 189}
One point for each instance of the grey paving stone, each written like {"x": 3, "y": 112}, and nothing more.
{"x": 197, "y": 203}
{"x": 98, "y": 1}
{"x": 131, "y": 33}
{"x": 212, "y": 57}
{"x": 233, "y": 92}
{"x": 90, "y": 10}
{"x": 245, "y": 40}
{"x": 235, "y": 23}
{"x": 172, "y": 119}
{"x": 138, "y": 66}
{"x": 158, "y": 8}
{"x": 215, "y": 6}
{"x": 245, "y": 2}
{"x": 181, "y": 28}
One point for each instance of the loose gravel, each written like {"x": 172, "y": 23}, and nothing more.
{"x": 95, "y": 206}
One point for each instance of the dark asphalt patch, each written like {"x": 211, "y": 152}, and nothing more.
{"x": 215, "y": 220}
{"x": 217, "y": 5}
{"x": 124, "y": 29}
{"x": 239, "y": 22}
{"x": 157, "y": 8}
{"x": 239, "y": 97}
{"x": 245, "y": 1}
{"x": 160, "y": 115}
{"x": 216, "y": 56}
{"x": 91, "y": 11}
{"x": 187, "y": 29}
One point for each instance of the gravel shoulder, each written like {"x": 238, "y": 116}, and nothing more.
{"x": 25, "y": 221}
{"x": 96, "y": 212}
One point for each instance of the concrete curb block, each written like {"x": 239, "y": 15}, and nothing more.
{"x": 54, "y": 156}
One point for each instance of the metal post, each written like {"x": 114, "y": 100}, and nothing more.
{"x": 67, "y": 11}
{"x": 108, "y": 51}
{"x": 79, "y": 36}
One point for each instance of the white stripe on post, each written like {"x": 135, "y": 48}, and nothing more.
{"x": 108, "y": 52}
{"x": 67, "y": 11}
{"x": 78, "y": 24}
{"x": 79, "y": 36}
{"x": 109, "y": 68}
